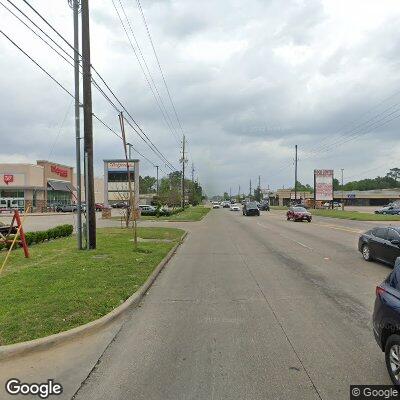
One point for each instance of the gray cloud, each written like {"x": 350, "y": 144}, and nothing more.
{"x": 249, "y": 80}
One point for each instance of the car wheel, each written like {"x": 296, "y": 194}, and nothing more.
{"x": 384, "y": 213}
{"x": 309, "y": 220}
{"x": 287, "y": 218}
{"x": 366, "y": 253}
{"x": 392, "y": 358}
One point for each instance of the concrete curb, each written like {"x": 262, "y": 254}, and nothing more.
{"x": 23, "y": 348}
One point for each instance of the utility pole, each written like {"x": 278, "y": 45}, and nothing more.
{"x": 295, "y": 176}
{"x": 250, "y": 190}
{"x": 230, "y": 193}
{"x": 259, "y": 188}
{"x": 75, "y": 4}
{"x": 342, "y": 191}
{"x": 239, "y": 193}
{"x": 129, "y": 145}
{"x": 88, "y": 126}
{"x": 157, "y": 180}
{"x": 183, "y": 161}
{"x": 193, "y": 191}
{"x": 132, "y": 201}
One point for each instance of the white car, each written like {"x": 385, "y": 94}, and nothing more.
{"x": 216, "y": 205}
{"x": 235, "y": 207}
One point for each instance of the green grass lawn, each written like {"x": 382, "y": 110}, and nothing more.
{"x": 59, "y": 287}
{"x": 353, "y": 215}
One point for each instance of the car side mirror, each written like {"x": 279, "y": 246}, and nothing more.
{"x": 396, "y": 242}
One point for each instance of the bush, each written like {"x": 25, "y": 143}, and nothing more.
{"x": 41, "y": 236}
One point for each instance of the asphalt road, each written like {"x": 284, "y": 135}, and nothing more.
{"x": 251, "y": 308}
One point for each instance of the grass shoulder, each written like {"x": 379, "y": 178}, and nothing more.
{"x": 351, "y": 215}
{"x": 59, "y": 287}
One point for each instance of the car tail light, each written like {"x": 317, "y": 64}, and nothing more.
{"x": 379, "y": 290}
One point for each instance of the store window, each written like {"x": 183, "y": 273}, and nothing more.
{"x": 58, "y": 197}
{"x": 12, "y": 193}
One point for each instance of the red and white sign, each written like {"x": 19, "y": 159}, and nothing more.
{"x": 59, "y": 171}
{"x": 8, "y": 178}
{"x": 323, "y": 182}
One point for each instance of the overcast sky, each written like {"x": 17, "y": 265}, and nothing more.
{"x": 250, "y": 79}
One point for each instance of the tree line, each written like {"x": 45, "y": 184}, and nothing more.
{"x": 170, "y": 189}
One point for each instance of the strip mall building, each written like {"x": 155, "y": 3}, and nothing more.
{"x": 37, "y": 186}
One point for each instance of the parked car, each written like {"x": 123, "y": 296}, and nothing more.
{"x": 381, "y": 244}
{"x": 216, "y": 205}
{"x": 99, "y": 206}
{"x": 251, "y": 208}
{"x": 264, "y": 206}
{"x": 386, "y": 321}
{"x": 390, "y": 210}
{"x": 147, "y": 210}
{"x": 298, "y": 214}
{"x": 235, "y": 207}
{"x": 66, "y": 208}
{"x": 120, "y": 204}
{"x": 225, "y": 204}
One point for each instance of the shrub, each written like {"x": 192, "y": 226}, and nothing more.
{"x": 41, "y": 236}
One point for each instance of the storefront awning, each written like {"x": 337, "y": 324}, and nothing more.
{"x": 60, "y": 186}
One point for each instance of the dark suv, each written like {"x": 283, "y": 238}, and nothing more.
{"x": 386, "y": 321}
{"x": 251, "y": 208}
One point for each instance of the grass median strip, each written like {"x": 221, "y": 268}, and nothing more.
{"x": 355, "y": 215}
{"x": 59, "y": 287}
{"x": 352, "y": 215}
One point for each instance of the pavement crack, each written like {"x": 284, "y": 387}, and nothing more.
{"x": 95, "y": 366}
{"x": 279, "y": 323}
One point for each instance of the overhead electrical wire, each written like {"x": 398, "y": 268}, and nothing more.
{"x": 138, "y": 129}
{"x": 64, "y": 88}
{"x": 153, "y": 87}
{"x": 159, "y": 64}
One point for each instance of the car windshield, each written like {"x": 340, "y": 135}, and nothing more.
{"x": 299, "y": 209}
{"x": 251, "y": 205}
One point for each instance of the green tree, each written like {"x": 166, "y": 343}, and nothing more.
{"x": 147, "y": 184}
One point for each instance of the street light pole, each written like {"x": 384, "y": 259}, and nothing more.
{"x": 157, "y": 182}
{"x": 129, "y": 145}
{"x": 75, "y": 4}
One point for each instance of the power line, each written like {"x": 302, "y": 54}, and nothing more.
{"x": 159, "y": 64}
{"x": 148, "y": 141}
{"x": 38, "y": 65}
{"x": 155, "y": 91}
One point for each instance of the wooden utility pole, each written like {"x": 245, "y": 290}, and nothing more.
{"x": 88, "y": 127}
{"x": 193, "y": 188}
{"x": 295, "y": 176}
{"x": 183, "y": 161}
{"x": 132, "y": 203}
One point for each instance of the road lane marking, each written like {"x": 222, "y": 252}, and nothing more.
{"x": 340, "y": 228}
{"x": 296, "y": 241}
{"x": 289, "y": 238}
